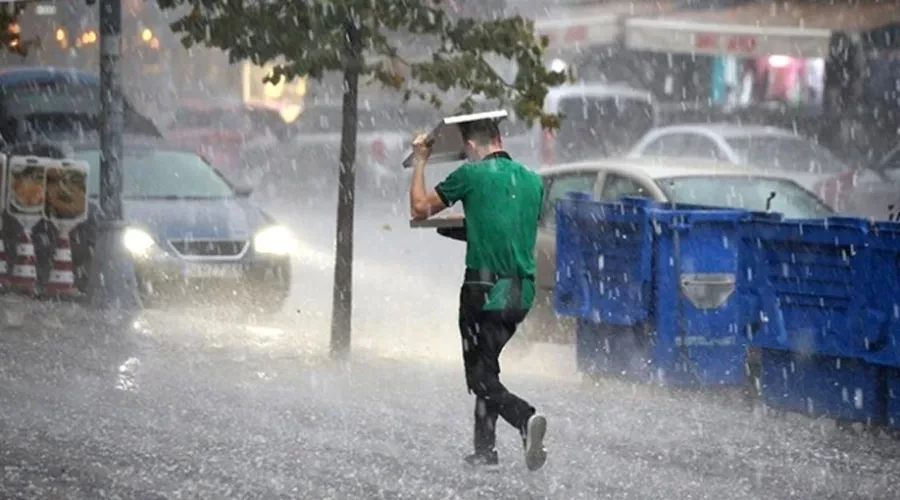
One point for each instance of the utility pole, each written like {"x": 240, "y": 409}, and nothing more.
{"x": 112, "y": 280}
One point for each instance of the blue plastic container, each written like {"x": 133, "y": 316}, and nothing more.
{"x": 571, "y": 294}
{"x": 614, "y": 246}
{"x": 752, "y": 286}
{"x": 834, "y": 387}
{"x": 884, "y": 290}
{"x": 811, "y": 279}
{"x": 662, "y": 282}
{"x": 698, "y": 317}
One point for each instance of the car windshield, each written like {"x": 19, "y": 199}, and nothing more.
{"x": 788, "y": 153}
{"x": 749, "y": 193}
{"x": 160, "y": 173}
{"x": 63, "y": 98}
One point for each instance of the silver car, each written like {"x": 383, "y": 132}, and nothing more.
{"x": 773, "y": 148}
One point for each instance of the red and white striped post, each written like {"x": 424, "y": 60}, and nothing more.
{"x": 66, "y": 208}
{"x": 26, "y": 194}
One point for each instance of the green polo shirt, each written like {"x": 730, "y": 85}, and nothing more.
{"x": 502, "y": 201}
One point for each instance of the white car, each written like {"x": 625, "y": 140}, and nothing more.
{"x": 773, "y": 148}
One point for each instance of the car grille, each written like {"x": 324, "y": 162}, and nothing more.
{"x": 209, "y": 248}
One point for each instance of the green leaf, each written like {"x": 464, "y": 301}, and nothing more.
{"x": 411, "y": 46}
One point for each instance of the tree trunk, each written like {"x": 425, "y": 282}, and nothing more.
{"x": 342, "y": 301}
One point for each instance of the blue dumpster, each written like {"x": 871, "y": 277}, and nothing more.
{"x": 811, "y": 280}
{"x": 840, "y": 388}
{"x": 571, "y": 294}
{"x": 605, "y": 252}
{"x": 884, "y": 290}
{"x": 885, "y": 293}
{"x": 661, "y": 283}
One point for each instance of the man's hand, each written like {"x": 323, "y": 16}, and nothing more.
{"x": 422, "y": 204}
{"x": 421, "y": 147}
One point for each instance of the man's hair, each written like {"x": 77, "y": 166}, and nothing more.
{"x": 482, "y": 132}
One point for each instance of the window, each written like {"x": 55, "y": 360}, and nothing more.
{"x": 63, "y": 98}
{"x": 786, "y": 153}
{"x": 559, "y": 186}
{"x": 617, "y": 187}
{"x": 703, "y": 147}
{"x": 155, "y": 173}
{"x": 751, "y": 193}
{"x": 673, "y": 145}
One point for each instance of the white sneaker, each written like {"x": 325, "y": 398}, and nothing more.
{"x": 535, "y": 454}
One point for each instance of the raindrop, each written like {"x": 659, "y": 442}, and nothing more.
{"x": 858, "y": 398}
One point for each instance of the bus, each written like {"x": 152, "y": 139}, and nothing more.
{"x": 41, "y": 101}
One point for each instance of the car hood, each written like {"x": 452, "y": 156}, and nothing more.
{"x": 225, "y": 219}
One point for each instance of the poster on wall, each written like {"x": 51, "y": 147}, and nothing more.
{"x": 66, "y": 195}
{"x": 27, "y": 184}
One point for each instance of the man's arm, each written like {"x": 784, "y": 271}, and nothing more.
{"x": 422, "y": 204}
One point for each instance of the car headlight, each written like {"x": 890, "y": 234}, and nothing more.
{"x": 275, "y": 240}
{"x": 138, "y": 242}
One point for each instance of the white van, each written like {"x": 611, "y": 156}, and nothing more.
{"x": 598, "y": 120}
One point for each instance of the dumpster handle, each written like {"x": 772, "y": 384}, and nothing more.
{"x": 684, "y": 354}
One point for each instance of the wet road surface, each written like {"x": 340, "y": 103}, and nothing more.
{"x": 189, "y": 405}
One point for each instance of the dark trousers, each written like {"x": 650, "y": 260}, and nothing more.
{"x": 484, "y": 333}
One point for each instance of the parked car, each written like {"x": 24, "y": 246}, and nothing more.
{"x": 599, "y": 120}
{"x": 701, "y": 182}
{"x": 872, "y": 191}
{"x": 192, "y": 233}
{"x": 768, "y": 147}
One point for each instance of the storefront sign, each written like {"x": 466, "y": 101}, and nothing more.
{"x": 599, "y": 30}
{"x": 685, "y": 37}
{"x": 45, "y": 10}
{"x": 731, "y": 44}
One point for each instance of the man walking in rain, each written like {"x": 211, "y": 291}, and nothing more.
{"x": 502, "y": 202}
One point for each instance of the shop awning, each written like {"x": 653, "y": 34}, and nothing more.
{"x": 793, "y": 29}
{"x": 596, "y": 24}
